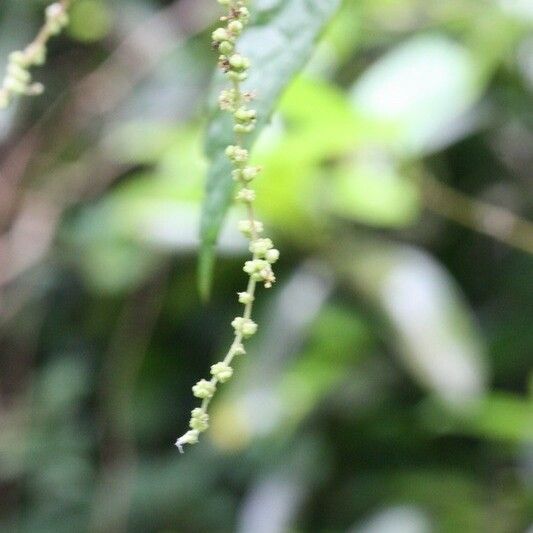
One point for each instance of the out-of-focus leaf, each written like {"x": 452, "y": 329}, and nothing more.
{"x": 278, "y": 45}
{"x": 294, "y": 149}
{"x": 119, "y": 239}
{"x": 434, "y": 331}
{"x": 504, "y": 416}
{"x": 276, "y": 499}
{"x": 452, "y": 497}
{"x": 253, "y": 406}
{"x": 371, "y": 190}
{"x": 365, "y": 185}
{"x": 90, "y": 20}
{"x": 521, "y": 9}
{"x": 146, "y": 142}
{"x": 319, "y": 118}
{"x": 398, "y": 519}
{"x": 323, "y": 363}
{"x": 421, "y": 89}
{"x": 498, "y": 416}
{"x": 345, "y": 31}
{"x": 62, "y": 384}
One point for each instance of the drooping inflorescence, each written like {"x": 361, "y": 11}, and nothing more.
{"x": 264, "y": 255}
{"x": 18, "y": 79}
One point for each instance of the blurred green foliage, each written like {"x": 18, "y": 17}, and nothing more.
{"x": 390, "y": 387}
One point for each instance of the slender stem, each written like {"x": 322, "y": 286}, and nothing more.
{"x": 263, "y": 253}
{"x": 252, "y": 284}
{"x": 493, "y": 221}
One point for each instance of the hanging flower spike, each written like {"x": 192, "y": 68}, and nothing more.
{"x": 18, "y": 79}
{"x": 264, "y": 255}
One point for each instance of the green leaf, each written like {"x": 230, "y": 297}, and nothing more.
{"x": 293, "y": 155}
{"x": 279, "y": 45}
{"x": 504, "y": 416}
{"x": 430, "y": 324}
{"x": 371, "y": 190}
{"x": 420, "y": 89}
{"x": 498, "y": 415}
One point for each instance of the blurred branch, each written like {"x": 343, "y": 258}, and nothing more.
{"x": 13, "y": 168}
{"x": 493, "y": 221}
{"x": 104, "y": 88}
{"x": 120, "y": 370}
{"x": 32, "y": 232}
{"x": 96, "y": 94}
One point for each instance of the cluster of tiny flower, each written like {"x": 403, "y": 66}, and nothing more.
{"x": 18, "y": 80}
{"x": 264, "y": 255}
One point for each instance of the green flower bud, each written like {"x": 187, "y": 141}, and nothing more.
{"x": 245, "y": 195}
{"x": 56, "y": 18}
{"x": 244, "y": 326}
{"x": 226, "y": 100}
{"x": 235, "y": 27}
{"x": 14, "y": 85}
{"x": 244, "y": 14}
{"x": 20, "y": 73}
{"x": 19, "y": 58}
{"x": 239, "y": 63}
{"x": 236, "y": 76}
{"x": 199, "y": 420}
{"x": 245, "y": 298}
{"x": 245, "y": 227}
{"x": 255, "y": 266}
{"x": 220, "y": 35}
{"x": 265, "y": 275}
{"x": 241, "y": 128}
{"x": 204, "y": 389}
{"x": 237, "y": 154}
{"x": 226, "y": 48}
{"x": 245, "y": 115}
{"x": 272, "y": 255}
{"x": 222, "y": 371}
{"x": 260, "y": 271}
{"x": 249, "y": 173}
{"x": 261, "y": 246}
